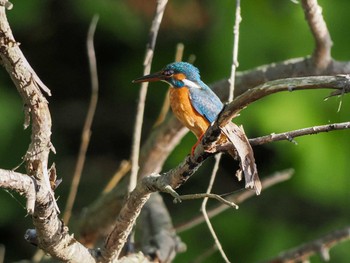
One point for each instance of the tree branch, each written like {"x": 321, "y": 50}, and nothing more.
{"x": 341, "y": 83}
{"x": 22, "y": 184}
{"x": 135, "y": 151}
{"x": 323, "y": 42}
{"x": 52, "y": 236}
{"x": 319, "y": 246}
{"x": 86, "y": 132}
{"x": 162, "y": 141}
{"x": 238, "y": 198}
{"x": 176, "y": 177}
{"x": 301, "y": 132}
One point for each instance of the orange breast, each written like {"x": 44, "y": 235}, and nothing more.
{"x": 183, "y": 110}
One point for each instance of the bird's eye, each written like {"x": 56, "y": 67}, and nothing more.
{"x": 168, "y": 73}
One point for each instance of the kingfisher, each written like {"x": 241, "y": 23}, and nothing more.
{"x": 197, "y": 107}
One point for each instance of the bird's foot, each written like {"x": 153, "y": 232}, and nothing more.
{"x": 196, "y": 144}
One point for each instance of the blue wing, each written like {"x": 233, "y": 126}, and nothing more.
{"x": 206, "y": 102}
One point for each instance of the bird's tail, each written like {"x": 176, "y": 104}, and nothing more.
{"x": 237, "y": 137}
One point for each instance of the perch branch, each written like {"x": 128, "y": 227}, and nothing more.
{"x": 86, "y": 132}
{"x": 167, "y": 135}
{"x": 135, "y": 151}
{"x": 323, "y": 42}
{"x": 319, "y": 246}
{"x": 176, "y": 177}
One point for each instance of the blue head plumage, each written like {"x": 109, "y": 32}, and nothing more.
{"x": 178, "y": 71}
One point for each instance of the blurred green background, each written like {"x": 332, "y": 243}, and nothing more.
{"x": 52, "y": 36}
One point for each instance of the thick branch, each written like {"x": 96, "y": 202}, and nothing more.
{"x": 138, "y": 197}
{"x": 52, "y": 236}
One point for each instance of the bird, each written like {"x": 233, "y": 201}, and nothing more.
{"x": 197, "y": 107}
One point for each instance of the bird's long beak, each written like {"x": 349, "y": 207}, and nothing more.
{"x": 158, "y": 76}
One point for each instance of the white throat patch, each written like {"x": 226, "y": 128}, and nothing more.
{"x": 191, "y": 84}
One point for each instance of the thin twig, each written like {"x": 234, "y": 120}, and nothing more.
{"x": 289, "y": 136}
{"x": 123, "y": 169}
{"x": 208, "y": 195}
{"x": 86, "y": 132}
{"x": 319, "y": 246}
{"x": 204, "y": 209}
{"x": 238, "y": 20}
{"x": 206, "y": 254}
{"x": 218, "y": 157}
{"x": 166, "y": 103}
{"x": 135, "y": 151}
{"x": 237, "y": 198}
{"x": 313, "y": 14}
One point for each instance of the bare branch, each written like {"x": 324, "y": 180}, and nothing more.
{"x": 291, "y": 84}
{"x": 292, "y": 68}
{"x": 22, "y": 184}
{"x": 138, "y": 197}
{"x": 52, "y": 236}
{"x": 16, "y": 65}
{"x": 166, "y": 103}
{"x": 289, "y": 136}
{"x": 86, "y": 132}
{"x": 313, "y": 14}
{"x": 135, "y": 151}
{"x": 204, "y": 209}
{"x": 319, "y": 246}
{"x": 234, "y": 66}
{"x": 7, "y": 4}
{"x": 125, "y": 221}
{"x": 123, "y": 169}
{"x": 162, "y": 141}
{"x": 208, "y": 195}
{"x": 237, "y": 198}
